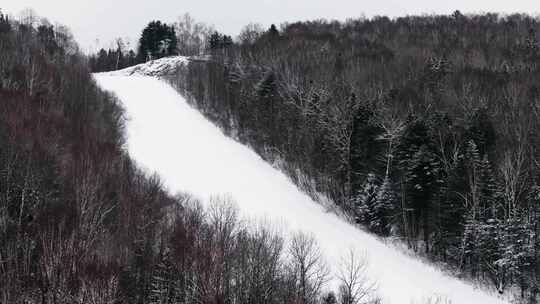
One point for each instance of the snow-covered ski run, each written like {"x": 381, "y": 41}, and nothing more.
{"x": 168, "y": 136}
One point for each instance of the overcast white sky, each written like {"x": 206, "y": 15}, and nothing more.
{"x": 107, "y": 19}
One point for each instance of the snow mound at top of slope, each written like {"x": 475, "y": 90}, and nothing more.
{"x": 159, "y": 67}
{"x": 192, "y": 155}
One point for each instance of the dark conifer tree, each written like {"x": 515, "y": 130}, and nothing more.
{"x": 273, "y": 32}
{"x": 364, "y": 147}
{"x": 215, "y": 41}
{"x": 157, "y": 40}
{"x": 366, "y": 202}
{"x": 480, "y": 129}
{"x": 384, "y": 209}
{"x": 420, "y": 168}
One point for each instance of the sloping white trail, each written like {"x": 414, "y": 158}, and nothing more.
{"x": 169, "y": 137}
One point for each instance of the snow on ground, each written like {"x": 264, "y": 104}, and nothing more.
{"x": 159, "y": 67}
{"x": 166, "y": 135}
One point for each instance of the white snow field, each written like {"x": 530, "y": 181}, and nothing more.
{"x": 168, "y": 136}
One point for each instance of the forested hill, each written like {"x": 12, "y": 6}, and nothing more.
{"x": 423, "y": 128}
{"x": 76, "y": 216}
{"x": 80, "y": 223}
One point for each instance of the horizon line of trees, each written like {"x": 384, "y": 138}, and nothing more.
{"x": 184, "y": 37}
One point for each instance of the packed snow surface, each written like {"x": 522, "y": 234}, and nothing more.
{"x": 168, "y": 136}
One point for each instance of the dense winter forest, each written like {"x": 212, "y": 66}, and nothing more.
{"x": 80, "y": 223}
{"x": 423, "y": 129}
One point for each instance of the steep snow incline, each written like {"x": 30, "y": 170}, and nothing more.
{"x": 166, "y": 135}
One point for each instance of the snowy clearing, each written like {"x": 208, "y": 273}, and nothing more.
{"x": 169, "y": 137}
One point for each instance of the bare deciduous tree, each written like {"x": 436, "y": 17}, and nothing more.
{"x": 309, "y": 267}
{"x": 192, "y": 36}
{"x": 355, "y": 287}
{"x": 250, "y": 33}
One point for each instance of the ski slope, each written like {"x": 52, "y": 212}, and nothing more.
{"x": 169, "y": 137}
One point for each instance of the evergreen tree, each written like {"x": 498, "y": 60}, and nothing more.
{"x": 273, "y": 32}
{"x": 131, "y": 58}
{"x": 450, "y": 213}
{"x": 364, "y": 147}
{"x": 366, "y": 200}
{"x": 421, "y": 171}
{"x": 484, "y": 233}
{"x": 267, "y": 87}
{"x": 482, "y": 249}
{"x": 102, "y": 61}
{"x": 480, "y": 129}
{"x": 517, "y": 251}
{"x": 157, "y": 40}
{"x": 215, "y": 41}
{"x": 384, "y": 208}
{"x": 227, "y": 41}
{"x": 375, "y": 205}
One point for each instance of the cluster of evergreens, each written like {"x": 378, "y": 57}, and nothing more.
{"x": 424, "y": 129}
{"x": 157, "y": 40}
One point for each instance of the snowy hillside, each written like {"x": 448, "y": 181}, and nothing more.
{"x": 166, "y": 135}
{"x": 159, "y": 67}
